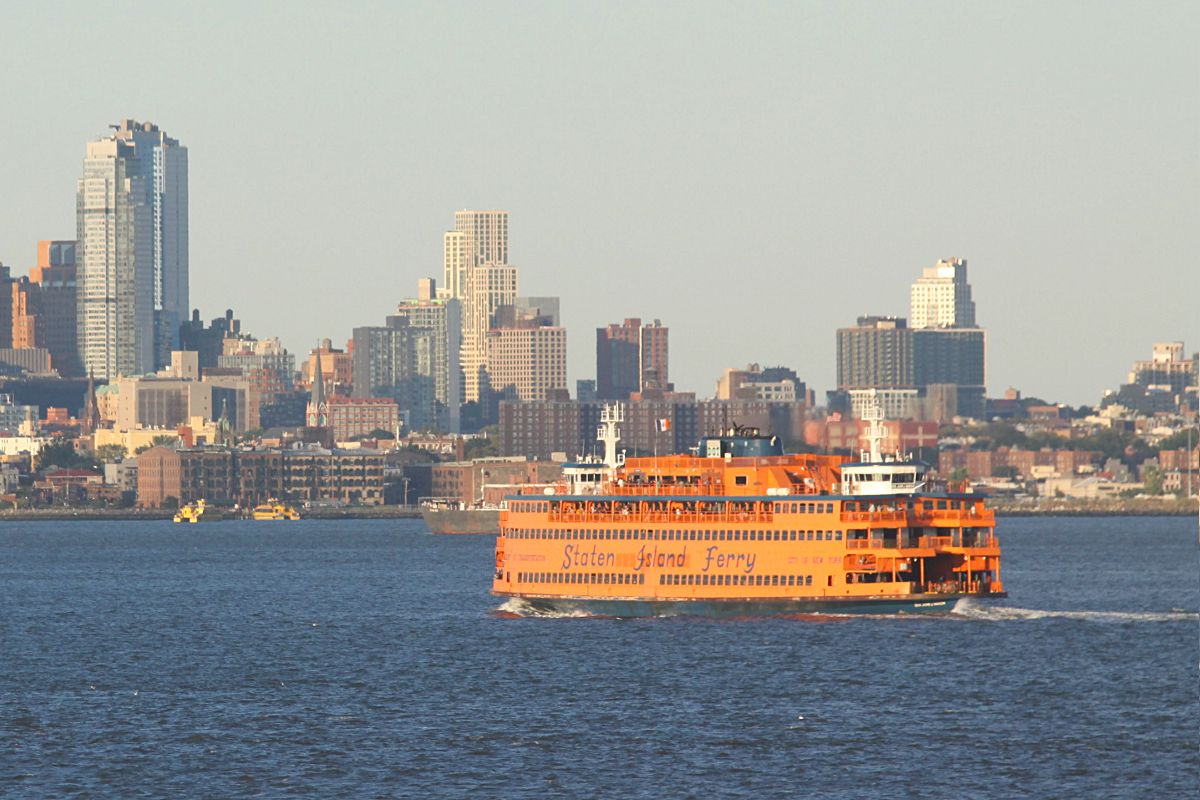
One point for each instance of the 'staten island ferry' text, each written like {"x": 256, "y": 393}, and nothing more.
{"x": 740, "y": 528}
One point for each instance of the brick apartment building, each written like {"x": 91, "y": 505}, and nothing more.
{"x": 248, "y": 477}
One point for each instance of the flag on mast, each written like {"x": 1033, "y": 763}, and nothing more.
{"x": 663, "y": 425}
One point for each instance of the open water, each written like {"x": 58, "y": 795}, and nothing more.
{"x": 367, "y": 659}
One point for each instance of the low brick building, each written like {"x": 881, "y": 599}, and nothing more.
{"x": 226, "y": 477}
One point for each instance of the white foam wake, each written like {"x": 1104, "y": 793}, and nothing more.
{"x": 973, "y": 609}
{"x": 520, "y": 607}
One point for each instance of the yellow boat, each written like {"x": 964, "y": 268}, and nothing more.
{"x": 274, "y": 510}
{"x": 192, "y": 512}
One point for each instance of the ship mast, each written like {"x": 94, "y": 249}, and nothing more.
{"x": 611, "y": 416}
{"x": 873, "y": 413}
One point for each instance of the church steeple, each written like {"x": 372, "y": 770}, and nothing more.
{"x": 317, "y": 415}
{"x": 89, "y": 420}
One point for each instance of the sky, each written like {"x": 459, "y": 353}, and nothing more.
{"x": 754, "y": 175}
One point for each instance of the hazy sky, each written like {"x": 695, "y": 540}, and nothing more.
{"x": 756, "y": 176}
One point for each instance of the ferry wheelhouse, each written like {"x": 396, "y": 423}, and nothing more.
{"x": 738, "y": 527}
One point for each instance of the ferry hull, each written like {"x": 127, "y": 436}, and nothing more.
{"x": 633, "y": 607}
{"x": 472, "y": 520}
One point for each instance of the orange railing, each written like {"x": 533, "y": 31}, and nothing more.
{"x": 874, "y": 516}
{"x": 673, "y": 516}
{"x": 664, "y": 490}
{"x": 863, "y": 544}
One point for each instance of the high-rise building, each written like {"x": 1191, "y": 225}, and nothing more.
{"x": 875, "y": 354}
{"x": 43, "y": 307}
{"x": 941, "y": 297}
{"x": 209, "y": 341}
{"x": 442, "y": 316}
{"x": 546, "y": 307}
{"x": 477, "y": 273}
{"x": 1168, "y": 369}
{"x": 489, "y": 287}
{"x": 487, "y": 235}
{"x": 955, "y": 357}
{"x": 336, "y": 367}
{"x": 774, "y": 384}
{"x": 526, "y": 363}
{"x": 132, "y": 233}
{"x": 266, "y": 364}
{"x": 7, "y": 284}
{"x": 396, "y": 362}
{"x": 456, "y": 262}
{"x": 631, "y": 357}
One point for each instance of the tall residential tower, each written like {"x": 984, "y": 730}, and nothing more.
{"x": 132, "y": 231}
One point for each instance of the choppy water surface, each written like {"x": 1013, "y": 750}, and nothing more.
{"x": 366, "y": 659}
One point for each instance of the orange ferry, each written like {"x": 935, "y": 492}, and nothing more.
{"x": 739, "y": 528}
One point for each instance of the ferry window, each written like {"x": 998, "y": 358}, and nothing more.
{"x": 927, "y": 504}
{"x": 740, "y": 480}
{"x": 774, "y": 580}
{"x": 850, "y": 506}
{"x": 838, "y": 536}
{"x": 791, "y": 580}
{"x": 941, "y": 504}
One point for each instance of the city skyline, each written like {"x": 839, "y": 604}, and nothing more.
{"x": 1057, "y": 158}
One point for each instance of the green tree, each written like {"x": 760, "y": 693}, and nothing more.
{"x": 959, "y": 474}
{"x": 62, "y": 453}
{"x": 1180, "y": 440}
{"x": 162, "y": 440}
{"x": 1152, "y": 480}
{"x": 483, "y": 446}
{"x": 108, "y": 453}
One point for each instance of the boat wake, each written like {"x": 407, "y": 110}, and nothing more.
{"x": 519, "y": 608}
{"x": 969, "y": 608}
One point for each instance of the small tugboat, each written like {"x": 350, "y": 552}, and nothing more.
{"x": 196, "y": 512}
{"x": 274, "y": 510}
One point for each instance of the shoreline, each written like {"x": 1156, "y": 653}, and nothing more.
{"x": 1174, "y": 509}
{"x": 158, "y": 515}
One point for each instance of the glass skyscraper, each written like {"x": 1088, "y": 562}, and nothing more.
{"x": 132, "y": 230}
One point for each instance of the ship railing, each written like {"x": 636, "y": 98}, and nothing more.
{"x": 732, "y": 517}
{"x": 959, "y": 540}
{"x": 863, "y": 544}
{"x": 874, "y": 516}
{"x": 654, "y": 489}
{"x": 960, "y": 515}
{"x": 936, "y": 541}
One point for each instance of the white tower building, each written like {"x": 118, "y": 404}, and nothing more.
{"x": 941, "y": 297}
